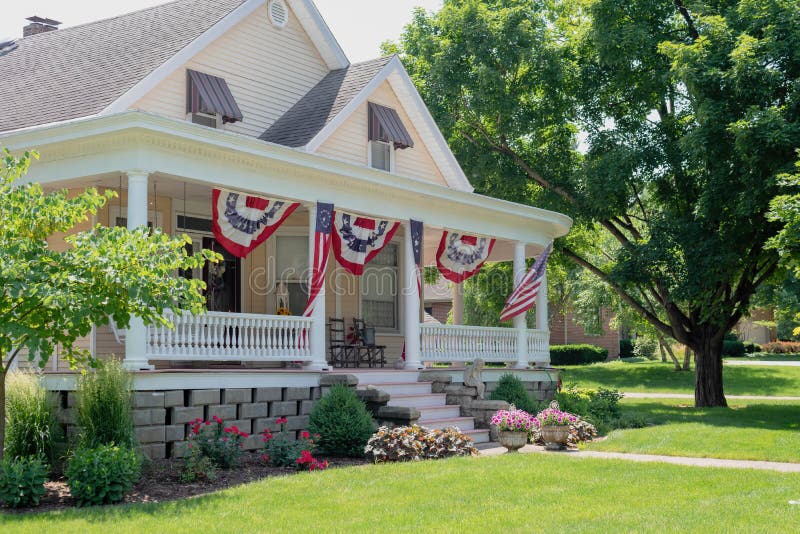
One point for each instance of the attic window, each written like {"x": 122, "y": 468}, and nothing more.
{"x": 385, "y": 126}
{"x": 278, "y": 13}
{"x": 209, "y": 97}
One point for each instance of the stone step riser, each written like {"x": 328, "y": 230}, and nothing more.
{"x": 462, "y": 423}
{"x": 418, "y": 401}
{"x": 479, "y": 436}
{"x": 377, "y": 377}
{"x": 426, "y": 414}
{"x": 410, "y": 388}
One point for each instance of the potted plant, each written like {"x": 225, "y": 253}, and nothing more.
{"x": 555, "y": 426}
{"x": 513, "y": 427}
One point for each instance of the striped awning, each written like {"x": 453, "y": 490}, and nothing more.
{"x": 385, "y": 125}
{"x": 210, "y": 94}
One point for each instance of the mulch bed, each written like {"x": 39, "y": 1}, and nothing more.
{"x": 161, "y": 482}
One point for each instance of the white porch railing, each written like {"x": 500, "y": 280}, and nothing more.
{"x": 231, "y": 336}
{"x": 457, "y": 343}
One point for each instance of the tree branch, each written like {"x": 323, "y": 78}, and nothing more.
{"x": 688, "y": 18}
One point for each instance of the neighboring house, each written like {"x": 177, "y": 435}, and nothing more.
{"x": 167, "y": 104}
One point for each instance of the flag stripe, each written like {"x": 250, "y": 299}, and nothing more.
{"x": 524, "y": 295}
{"x": 322, "y": 248}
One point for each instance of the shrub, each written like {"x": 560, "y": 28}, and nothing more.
{"x": 281, "y": 450}
{"x": 413, "y": 443}
{"x": 733, "y": 348}
{"x": 751, "y": 347}
{"x": 645, "y": 347}
{"x": 219, "y": 443}
{"x": 197, "y": 468}
{"x": 629, "y": 421}
{"x": 730, "y": 336}
{"x": 31, "y": 427}
{"x": 577, "y": 354}
{"x": 782, "y": 347}
{"x": 625, "y": 348}
{"x": 22, "y": 480}
{"x": 104, "y": 407}
{"x": 102, "y": 475}
{"x": 512, "y": 390}
{"x": 343, "y": 423}
{"x": 600, "y": 406}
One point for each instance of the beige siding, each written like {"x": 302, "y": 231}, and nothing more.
{"x": 349, "y": 141}
{"x": 267, "y": 69}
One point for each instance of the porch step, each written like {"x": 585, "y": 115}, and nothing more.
{"x": 428, "y": 413}
{"x": 462, "y": 423}
{"x": 478, "y": 435}
{"x": 379, "y": 376}
{"x": 402, "y": 388}
{"x": 420, "y": 400}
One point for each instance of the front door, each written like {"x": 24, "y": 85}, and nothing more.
{"x": 223, "y": 280}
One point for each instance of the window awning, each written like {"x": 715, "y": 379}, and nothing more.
{"x": 385, "y": 125}
{"x": 210, "y": 94}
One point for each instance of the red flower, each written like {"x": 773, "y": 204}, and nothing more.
{"x": 208, "y": 423}
{"x": 280, "y": 421}
{"x": 244, "y": 434}
{"x": 196, "y": 428}
{"x": 305, "y": 457}
{"x": 216, "y": 419}
{"x": 304, "y": 434}
{"x": 227, "y": 430}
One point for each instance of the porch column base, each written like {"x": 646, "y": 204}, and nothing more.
{"x": 317, "y": 366}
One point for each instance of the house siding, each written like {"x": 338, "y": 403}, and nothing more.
{"x": 268, "y": 69}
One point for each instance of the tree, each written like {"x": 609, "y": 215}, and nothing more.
{"x": 50, "y": 298}
{"x": 665, "y": 124}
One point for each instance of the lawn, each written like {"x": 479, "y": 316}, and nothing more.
{"x": 767, "y": 357}
{"x": 748, "y": 430}
{"x": 657, "y": 377}
{"x": 510, "y": 493}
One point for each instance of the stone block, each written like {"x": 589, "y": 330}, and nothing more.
{"x": 149, "y": 416}
{"x": 372, "y": 395}
{"x": 186, "y": 414}
{"x": 259, "y": 425}
{"x": 244, "y": 425}
{"x": 461, "y": 390}
{"x": 180, "y": 449}
{"x": 148, "y": 399}
{"x": 141, "y": 417}
{"x": 66, "y": 416}
{"x": 201, "y": 397}
{"x": 278, "y": 409}
{"x": 253, "y": 410}
{"x": 150, "y": 434}
{"x": 297, "y": 422}
{"x": 333, "y": 379}
{"x": 226, "y": 412}
{"x": 174, "y": 433}
{"x": 268, "y": 394}
{"x": 237, "y": 396}
{"x": 398, "y": 415}
{"x": 306, "y": 407}
{"x": 173, "y": 398}
{"x": 72, "y": 399}
{"x": 252, "y": 442}
{"x": 54, "y": 399}
{"x": 293, "y": 394}
{"x": 316, "y": 393}
{"x": 154, "y": 451}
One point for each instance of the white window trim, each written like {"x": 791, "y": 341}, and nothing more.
{"x": 382, "y": 330}
{"x": 220, "y": 124}
{"x": 392, "y": 157}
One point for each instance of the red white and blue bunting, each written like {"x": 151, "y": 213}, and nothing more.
{"x": 241, "y": 222}
{"x": 461, "y": 256}
{"x": 322, "y": 250}
{"x": 357, "y": 239}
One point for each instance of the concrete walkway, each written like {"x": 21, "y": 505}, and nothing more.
{"x": 635, "y": 395}
{"x": 763, "y": 362}
{"x": 494, "y": 449}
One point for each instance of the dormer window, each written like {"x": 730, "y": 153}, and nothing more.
{"x": 209, "y": 101}
{"x": 386, "y": 134}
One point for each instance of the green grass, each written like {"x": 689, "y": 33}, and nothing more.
{"x": 767, "y": 357}
{"x": 657, "y": 377}
{"x": 752, "y": 430}
{"x": 510, "y": 493}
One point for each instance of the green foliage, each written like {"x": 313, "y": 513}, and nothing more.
{"x": 734, "y": 349}
{"x": 751, "y": 347}
{"x": 785, "y": 209}
{"x": 102, "y": 475}
{"x": 31, "y": 427}
{"x": 625, "y": 348}
{"x": 104, "y": 414}
{"x": 197, "y": 467}
{"x": 599, "y": 406}
{"x": 578, "y": 354}
{"x": 22, "y": 480}
{"x": 343, "y": 423}
{"x": 645, "y": 347}
{"x": 512, "y": 390}
{"x": 283, "y": 450}
{"x": 219, "y": 443}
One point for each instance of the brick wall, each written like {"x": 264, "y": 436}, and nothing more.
{"x": 565, "y": 331}
{"x": 441, "y": 310}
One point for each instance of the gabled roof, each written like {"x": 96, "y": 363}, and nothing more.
{"x": 78, "y": 71}
{"x": 323, "y": 103}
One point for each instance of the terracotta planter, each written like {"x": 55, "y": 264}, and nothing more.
{"x": 513, "y": 441}
{"x": 555, "y": 437}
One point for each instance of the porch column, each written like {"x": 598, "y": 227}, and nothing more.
{"x": 136, "y": 334}
{"x": 317, "y": 336}
{"x": 411, "y": 301}
{"x": 542, "y": 316}
{"x": 520, "y": 321}
{"x": 458, "y": 303}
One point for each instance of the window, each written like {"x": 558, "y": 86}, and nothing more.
{"x": 386, "y": 134}
{"x": 380, "y": 155}
{"x": 291, "y": 268}
{"x": 379, "y": 294}
{"x": 206, "y": 119}
{"x": 209, "y": 100}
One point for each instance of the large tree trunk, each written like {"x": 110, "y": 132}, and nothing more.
{"x": 687, "y": 358}
{"x": 708, "y": 372}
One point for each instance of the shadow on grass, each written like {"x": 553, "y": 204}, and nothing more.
{"x": 765, "y": 416}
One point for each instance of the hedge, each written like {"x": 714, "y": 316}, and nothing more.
{"x": 576, "y": 354}
{"x": 782, "y": 347}
{"x": 625, "y": 348}
{"x": 733, "y": 348}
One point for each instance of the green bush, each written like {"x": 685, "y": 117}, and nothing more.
{"x": 625, "y": 348}
{"x": 343, "y": 423}
{"x": 283, "y": 450}
{"x": 22, "y": 480}
{"x": 645, "y": 347}
{"x": 104, "y": 406}
{"x": 598, "y": 406}
{"x": 102, "y": 475}
{"x": 31, "y": 427}
{"x": 512, "y": 390}
{"x": 751, "y": 347}
{"x": 577, "y": 354}
{"x": 730, "y": 336}
{"x": 733, "y": 348}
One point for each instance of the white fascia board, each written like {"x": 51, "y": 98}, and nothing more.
{"x": 149, "y": 82}
{"x": 455, "y": 178}
{"x": 319, "y": 33}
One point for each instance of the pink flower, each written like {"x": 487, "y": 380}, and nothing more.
{"x": 304, "y": 434}
{"x": 280, "y": 421}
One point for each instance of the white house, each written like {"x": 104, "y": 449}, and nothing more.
{"x": 255, "y": 98}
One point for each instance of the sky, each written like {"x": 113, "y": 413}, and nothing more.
{"x": 359, "y": 25}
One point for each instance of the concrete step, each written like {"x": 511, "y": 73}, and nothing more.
{"x": 402, "y": 388}
{"x": 380, "y": 375}
{"x": 418, "y": 400}
{"x": 478, "y": 435}
{"x": 462, "y": 423}
{"x": 438, "y": 412}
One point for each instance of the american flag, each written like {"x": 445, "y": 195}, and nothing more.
{"x": 322, "y": 249}
{"x": 416, "y": 243}
{"x": 524, "y": 295}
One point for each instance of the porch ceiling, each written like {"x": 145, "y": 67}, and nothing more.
{"x": 97, "y": 151}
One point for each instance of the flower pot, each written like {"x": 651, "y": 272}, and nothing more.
{"x": 512, "y": 440}
{"x": 555, "y": 437}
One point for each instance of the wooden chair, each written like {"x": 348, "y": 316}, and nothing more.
{"x": 340, "y": 351}
{"x": 367, "y": 351}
